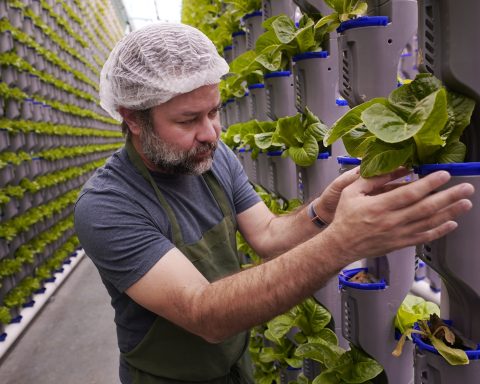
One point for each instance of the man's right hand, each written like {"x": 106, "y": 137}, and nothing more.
{"x": 369, "y": 224}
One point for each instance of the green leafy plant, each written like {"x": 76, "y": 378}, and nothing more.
{"x": 448, "y": 342}
{"x": 343, "y": 10}
{"x": 5, "y": 316}
{"x": 302, "y": 137}
{"x": 419, "y": 123}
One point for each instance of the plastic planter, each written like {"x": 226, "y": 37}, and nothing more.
{"x": 289, "y": 374}
{"x": 4, "y": 139}
{"x": 231, "y": 112}
{"x": 258, "y": 102}
{"x": 456, "y": 256}
{"x": 260, "y": 165}
{"x": 370, "y": 48}
{"x": 369, "y": 309}
{"x": 247, "y": 162}
{"x": 6, "y": 174}
{"x": 6, "y": 41}
{"x": 253, "y": 24}
{"x": 430, "y": 367}
{"x": 281, "y": 175}
{"x": 312, "y": 180}
{"x": 280, "y": 94}
{"x": 278, "y": 7}
{"x": 243, "y": 108}
{"x": 239, "y": 43}
{"x": 316, "y": 84}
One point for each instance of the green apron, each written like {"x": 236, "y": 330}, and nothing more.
{"x": 170, "y": 354}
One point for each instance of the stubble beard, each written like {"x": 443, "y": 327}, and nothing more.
{"x": 170, "y": 159}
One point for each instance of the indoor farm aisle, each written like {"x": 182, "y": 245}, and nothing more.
{"x": 72, "y": 340}
{"x": 53, "y": 135}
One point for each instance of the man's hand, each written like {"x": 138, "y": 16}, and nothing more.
{"x": 369, "y": 224}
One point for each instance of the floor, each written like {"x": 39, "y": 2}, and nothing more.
{"x": 71, "y": 341}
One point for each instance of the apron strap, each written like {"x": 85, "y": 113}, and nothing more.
{"x": 209, "y": 178}
{"x": 139, "y": 164}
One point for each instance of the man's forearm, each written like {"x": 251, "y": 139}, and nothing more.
{"x": 286, "y": 231}
{"x": 258, "y": 294}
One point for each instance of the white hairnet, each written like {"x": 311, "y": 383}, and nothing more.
{"x": 153, "y": 64}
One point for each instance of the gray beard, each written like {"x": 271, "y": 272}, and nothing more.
{"x": 170, "y": 159}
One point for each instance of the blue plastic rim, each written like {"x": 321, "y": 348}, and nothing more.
{"x": 310, "y": 55}
{"x": 277, "y": 74}
{"x": 348, "y": 160}
{"x": 364, "y": 21}
{"x": 274, "y": 153}
{"x": 229, "y": 101}
{"x": 417, "y": 339}
{"x": 341, "y": 102}
{"x": 323, "y": 155}
{"x": 347, "y": 274}
{"x": 253, "y": 14}
{"x": 238, "y": 33}
{"x": 256, "y": 86}
{"x": 455, "y": 169}
{"x": 228, "y": 48}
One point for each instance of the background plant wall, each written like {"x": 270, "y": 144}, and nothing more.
{"x": 53, "y": 134}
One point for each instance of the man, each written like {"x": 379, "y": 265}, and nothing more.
{"x": 159, "y": 219}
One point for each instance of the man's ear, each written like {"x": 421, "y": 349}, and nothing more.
{"x": 130, "y": 118}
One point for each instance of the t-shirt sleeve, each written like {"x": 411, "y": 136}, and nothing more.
{"x": 119, "y": 237}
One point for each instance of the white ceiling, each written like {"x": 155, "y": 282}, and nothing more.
{"x": 142, "y": 12}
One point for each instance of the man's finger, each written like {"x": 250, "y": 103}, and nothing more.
{"x": 415, "y": 191}
{"x": 370, "y": 185}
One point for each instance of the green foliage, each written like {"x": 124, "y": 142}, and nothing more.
{"x": 5, "y": 316}
{"x": 419, "y": 123}
{"x": 412, "y": 310}
{"x": 343, "y": 10}
{"x": 301, "y": 137}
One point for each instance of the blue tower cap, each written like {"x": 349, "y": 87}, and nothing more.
{"x": 346, "y": 275}
{"x": 455, "y": 169}
{"x": 256, "y": 86}
{"x": 364, "y": 21}
{"x": 310, "y": 55}
{"x": 348, "y": 160}
{"x": 252, "y": 14}
{"x": 277, "y": 74}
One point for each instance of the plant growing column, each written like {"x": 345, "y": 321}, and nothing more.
{"x": 258, "y": 101}
{"x": 253, "y": 24}
{"x": 368, "y": 310}
{"x": 445, "y": 49}
{"x": 456, "y": 258}
{"x": 370, "y": 48}
{"x": 280, "y": 94}
{"x": 278, "y": 7}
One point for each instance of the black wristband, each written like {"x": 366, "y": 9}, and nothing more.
{"x": 319, "y": 222}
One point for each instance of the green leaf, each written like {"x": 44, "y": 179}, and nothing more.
{"x": 356, "y": 367}
{"x": 281, "y": 325}
{"x": 405, "y": 98}
{"x": 430, "y": 116}
{"x": 454, "y": 356}
{"x": 284, "y": 29}
{"x": 357, "y": 141}
{"x": 460, "y": 109}
{"x": 453, "y": 152}
{"x": 387, "y": 125}
{"x": 323, "y": 352}
{"x": 413, "y": 309}
{"x": 350, "y": 121}
{"x": 384, "y": 157}
{"x": 263, "y": 140}
{"x": 315, "y": 317}
{"x": 305, "y": 154}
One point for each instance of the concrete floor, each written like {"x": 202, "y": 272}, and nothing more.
{"x": 71, "y": 341}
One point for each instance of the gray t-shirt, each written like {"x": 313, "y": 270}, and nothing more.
{"x": 125, "y": 231}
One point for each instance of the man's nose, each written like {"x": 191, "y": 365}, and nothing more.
{"x": 208, "y": 131}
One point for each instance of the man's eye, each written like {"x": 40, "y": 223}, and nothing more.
{"x": 186, "y": 121}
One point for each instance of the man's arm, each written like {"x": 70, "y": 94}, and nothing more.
{"x": 271, "y": 235}
{"x": 364, "y": 226}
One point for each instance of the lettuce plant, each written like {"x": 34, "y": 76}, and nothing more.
{"x": 5, "y": 316}
{"x": 419, "y": 123}
{"x": 301, "y": 136}
{"x": 343, "y": 10}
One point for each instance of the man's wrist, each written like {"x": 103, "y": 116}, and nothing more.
{"x": 314, "y": 217}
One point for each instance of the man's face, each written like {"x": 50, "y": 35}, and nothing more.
{"x": 184, "y": 132}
